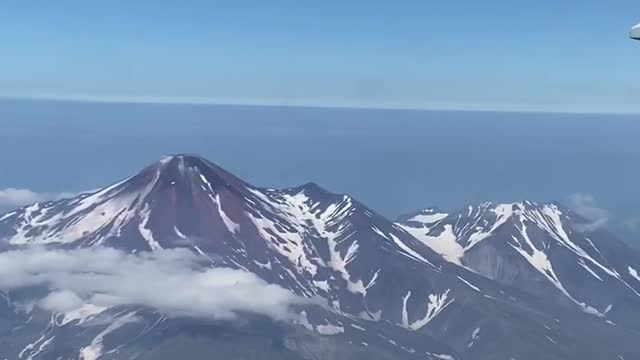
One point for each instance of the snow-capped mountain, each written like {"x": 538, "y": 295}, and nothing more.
{"x": 305, "y": 238}
{"x": 543, "y": 249}
{"x": 389, "y": 296}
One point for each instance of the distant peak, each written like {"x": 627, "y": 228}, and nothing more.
{"x": 429, "y": 211}
{"x": 502, "y": 208}
{"x": 522, "y": 208}
{"x": 188, "y": 170}
{"x": 312, "y": 186}
{"x": 524, "y": 204}
{"x": 181, "y": 164}
{"x": 311, "y": 189}
{"x": 184, "y": 158}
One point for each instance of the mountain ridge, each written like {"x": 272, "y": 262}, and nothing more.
{"x": 531, "y": 245}
{"x": 374, "y": 274}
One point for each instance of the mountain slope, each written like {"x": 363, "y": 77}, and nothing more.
{"x": 387, "y": 293}
{"x": 542, "y": 249}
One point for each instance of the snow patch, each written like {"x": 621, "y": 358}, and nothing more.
{"x": 474, "y": 337}
{"x": 445, "y": 244}
{"x": 469, "y": 284}
{"x": 373, "y": 279}
{"x": 428, "y": 218}
{"x": 105, "y": 211}
{"x": 36, "y": 347}
{"x": 322, "y": 285}
{"x": 329, "y": 329}
{"x": 442, "y": 356}
{"x": 503, "y": 213}
{"x": 324, "y": 329}
{"x": 303, "y": 210}
{"x": 6, "y": 216}
{"x": 633, "y": 272}
{"x": 81, "y": 315}
{"x": 406, "y": 250}
{"x": 230, "y": 224}
{"x": 94, "y": 350}
{"x": 145, "y": 232}
{"x": 435, "y": 305}
{"x": 588, "y": 269}
{"x": 539, "y": 260}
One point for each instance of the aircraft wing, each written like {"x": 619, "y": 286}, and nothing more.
{"x": 635, "y": 32}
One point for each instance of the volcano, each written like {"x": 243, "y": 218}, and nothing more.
{"x": 392, "y": 291}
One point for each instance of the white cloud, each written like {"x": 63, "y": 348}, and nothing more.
{"x": 12, "y": 198}
{"x": 61, "y": 301}
{"x": 174, "y": 282}
{"x": 585, "y": 206}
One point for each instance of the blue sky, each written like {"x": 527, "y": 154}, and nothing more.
{"x": 502, "y": 55}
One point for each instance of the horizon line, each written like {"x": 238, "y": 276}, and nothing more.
{"x": 212, "y": 101}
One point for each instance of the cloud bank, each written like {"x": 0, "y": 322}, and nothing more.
{"x": 174, "y": 282}
{"x": 585, "y": 206}
{"x": 12, "y": 198}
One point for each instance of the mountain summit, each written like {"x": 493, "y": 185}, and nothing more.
{"x": 181, "y": 193}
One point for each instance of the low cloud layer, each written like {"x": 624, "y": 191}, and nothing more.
{"x": 585, "y": 206}
{"x": 632, "y": 224}
{"x": 12, "y": 198}
{"x": 171, "y": 281}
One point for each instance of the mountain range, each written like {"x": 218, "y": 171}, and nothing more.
{"x": 519, "y": 281}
